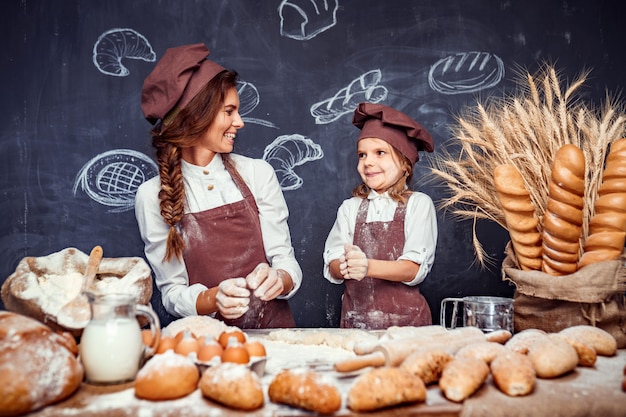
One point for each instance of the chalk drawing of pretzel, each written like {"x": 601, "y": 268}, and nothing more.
{"x": 287, "y": 152}
{"x": 363, "y": 88}
{"x": 116, "y": 44}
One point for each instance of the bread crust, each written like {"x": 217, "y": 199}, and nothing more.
{"x": 513, "y": 373}
{"x": 306, "y": 389}
{"x": 462, "y": 377}
{"x": 427, "y": 365}
{"x": 167, "y": 376}
{"x": 233, "y": 385}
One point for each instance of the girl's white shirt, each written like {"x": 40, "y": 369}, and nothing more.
{"x": 420, "y": 230}
{"x": 209, "y": 187}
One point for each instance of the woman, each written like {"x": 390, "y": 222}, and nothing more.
{"x": 382, "y": 244}
{"x": 214, "y": 223}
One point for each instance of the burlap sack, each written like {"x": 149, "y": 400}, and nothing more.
{"x": 593, "y": 295}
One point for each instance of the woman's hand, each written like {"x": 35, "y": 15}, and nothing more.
{"x": 353, "y": 263}
{"x": 233, "y": 298}
{"x": 266, "y": 282}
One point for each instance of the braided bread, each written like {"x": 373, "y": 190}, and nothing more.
{"x": 607, "y": 227}
{"x": 519, "y": 216}
{"x": 563, "y": 218}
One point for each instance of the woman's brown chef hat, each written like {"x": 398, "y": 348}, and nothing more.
{"x": 394, "y": 127}
{"x": 179, "y": 75}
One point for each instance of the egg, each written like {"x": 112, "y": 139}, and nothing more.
{"x": 255, "y": 348}
{"x": 187, "y": 345}
{"x": 209, "y": 349}
{"x": 227, "y": 334}
{"x": 165, "y": 344}
{"x": 235, "y": 352}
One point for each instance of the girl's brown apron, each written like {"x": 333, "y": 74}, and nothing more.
{"x": 375, "y": 303}
{"x": 226, "y": 242}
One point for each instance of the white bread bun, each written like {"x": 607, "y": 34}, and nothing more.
{"x": 36, "y": 366}
{"x": 519, "y": 216}
{"x": 563, "y": 218}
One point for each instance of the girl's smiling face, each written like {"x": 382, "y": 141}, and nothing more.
{"x": 378, "y": 165}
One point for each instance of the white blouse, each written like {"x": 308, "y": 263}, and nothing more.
{"x": 420, "y": 230}
{"x": 206, "y": 188}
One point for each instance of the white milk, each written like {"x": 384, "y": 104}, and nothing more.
{"x": 111, "y": 350}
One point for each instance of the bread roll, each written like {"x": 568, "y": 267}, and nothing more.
{"x": 167, "y": 376}
{"x": 563, "y": 217}
{"x": 499, "y": 336}
{"x": 552, "y": 357}
{"x": 385, "y": 387}
{"x": 607, "y": 227}
{"x": 462, "y": 377}
{"x": 428, "y": 365}
{"x": 513, "y": 373}
{"x": 519, "y": 216}
{"x": 233, "y": 385}
{"x": 36, "y": 367}
{"x": 485, "y": 351}
{"x": 306, "y": 389}
{"x": 599, "y": 339}
{"x": 520, "y": 342}
{"x": 587, "y": 355}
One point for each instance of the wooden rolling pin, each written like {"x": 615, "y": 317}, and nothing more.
{"x": 394, "y": 352}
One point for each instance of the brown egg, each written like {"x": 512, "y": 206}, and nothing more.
{"x": 210, "y": 348}
{"x": 255, "y": 348}
{"x": 165, "y": 344}
{"x": 227, "y": 334}
{"x": 187, "y": 345}
{"x": 235, "y": 352}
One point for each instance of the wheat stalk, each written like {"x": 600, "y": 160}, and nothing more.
{"x": 524, "y": 129}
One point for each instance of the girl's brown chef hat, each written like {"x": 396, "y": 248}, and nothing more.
{"x": 179, "y": 75}
{"x": 394, "y": 127}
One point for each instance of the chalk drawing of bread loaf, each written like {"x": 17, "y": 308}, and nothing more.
{"x": 563, "y": 217}
{"x": 519, "y": 215}
{"x": 607, "y": 227}
{"x": 466, "y": 72}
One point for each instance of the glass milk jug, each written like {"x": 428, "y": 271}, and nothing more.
{"x": 111, "y": 347}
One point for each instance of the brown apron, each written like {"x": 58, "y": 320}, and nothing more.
{"x": 376, "y": 303}
{"x": 226, "y": 242}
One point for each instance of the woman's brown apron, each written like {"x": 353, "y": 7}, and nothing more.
{"x": 226, "y": 242}
{"x": 375, "y": 303}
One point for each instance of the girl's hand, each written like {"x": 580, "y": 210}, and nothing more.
{"x": 233, "y": 298}
{"x": 353, "y": 263}
{"x": 265, "y": 282}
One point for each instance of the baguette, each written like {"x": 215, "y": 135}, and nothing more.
{"x": 563, "y": 218}
{"x": 519, "y": 216}
{"x": 462, "y": 377}
{"x": 607, "y": 227}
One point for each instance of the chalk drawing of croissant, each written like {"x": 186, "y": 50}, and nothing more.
{"x": 287, "y": 152}
{"x": 248, "y": 100}
{"x": 112, "y": 178}
{"x": 466, "y": 72}
{"x": 305, "y": 19}
{"x": 114, "y": 45}
{"x": 363, "y": 88}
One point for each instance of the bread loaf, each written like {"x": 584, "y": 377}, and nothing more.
{"x": 385, "y": 387}
{"x": 462, "y": 377}
{"x": 499, "y": 336}
{"x": 36, "y": 366}
{"x": 587, "y": 355}
{"x": 428, "y": 365}
{"x": 513, "y": 373}
{"x": 599, "y": 339}
{"x": 552, "y": 357}
{"x": 519, "y": 216}
{"x": 563, "y": 217}
{"x": 167, "y": 376}
{"x": 306, "y": 389}
{"x": 233, "y": 385}
{"x": 607, "y": 227}
{"x": 521, "y": 341}
{"x": 485, "y": 351}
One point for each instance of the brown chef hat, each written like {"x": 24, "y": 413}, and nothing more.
{"x": 394, "y": 127}
{"x": 179, "y": 75}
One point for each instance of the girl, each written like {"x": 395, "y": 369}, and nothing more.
{"x": 382, "y": 244}
{"x": 214, "y": 223}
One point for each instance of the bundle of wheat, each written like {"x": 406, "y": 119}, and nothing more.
{"x": 525, "y": 130}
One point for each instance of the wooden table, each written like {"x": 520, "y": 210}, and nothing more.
{"x": 584, "y": 392}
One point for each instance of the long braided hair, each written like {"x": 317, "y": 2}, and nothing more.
{"x": 180, "y": 129}
{"x": 398, "y": 191}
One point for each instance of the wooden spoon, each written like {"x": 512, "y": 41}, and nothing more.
{"x": 76, "y": 312}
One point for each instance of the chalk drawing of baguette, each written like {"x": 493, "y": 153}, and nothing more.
{"x": 363, "y": 88}
{"x": 466, "y": 72}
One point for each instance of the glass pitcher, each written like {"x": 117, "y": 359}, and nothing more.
{"x": 111, "y": 347}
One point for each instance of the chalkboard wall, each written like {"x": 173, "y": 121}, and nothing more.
{"x": 74, "y": 144}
